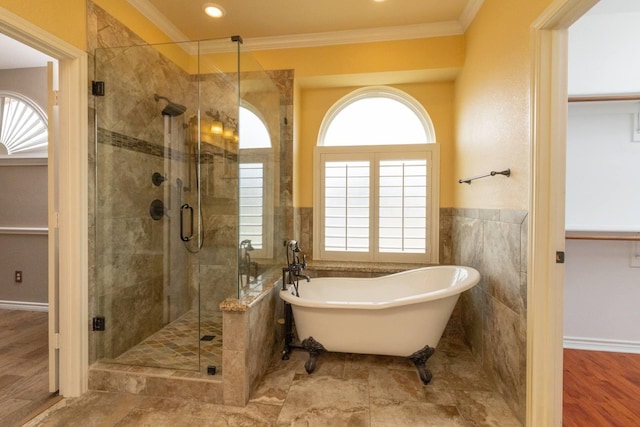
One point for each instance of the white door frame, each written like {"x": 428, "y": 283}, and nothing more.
{"x": 547, "y": 203}
{"x": 72, "y": 216}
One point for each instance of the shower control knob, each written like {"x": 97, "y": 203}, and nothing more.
{"x": 157, "y": 178}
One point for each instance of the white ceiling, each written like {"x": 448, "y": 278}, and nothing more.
{"x": 18, "y": 55}
{"x": 253, "y": 19}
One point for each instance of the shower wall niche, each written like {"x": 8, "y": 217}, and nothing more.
{"x": 166, "y": 220}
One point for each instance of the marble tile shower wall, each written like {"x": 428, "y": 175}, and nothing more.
{"x": 130, "y": 256}
{"x": 138, "y": 288}
{"x": 494, "y": 314}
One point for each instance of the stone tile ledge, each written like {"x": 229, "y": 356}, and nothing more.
{"x": 516, "y": 216}
{"x": 266, "y": 283}
{"x": 375, "y": 267}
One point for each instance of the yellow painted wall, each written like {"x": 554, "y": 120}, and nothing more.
{"x": 436, "y": 98}
{"x": 325, "y": 74}
{"x": 393, "y": 56}
{"x": 65, "y": 19}
{"x": 493, "y": 105}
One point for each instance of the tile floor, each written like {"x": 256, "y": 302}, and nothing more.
{"x": 345, "y": 390}
{"x": 177, "y": 345}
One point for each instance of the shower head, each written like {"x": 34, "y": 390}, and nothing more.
{"x": 172, "y": 109}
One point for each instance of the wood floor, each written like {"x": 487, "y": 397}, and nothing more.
{"x": 601, "y": 389}
{"x": 23, "y": 366}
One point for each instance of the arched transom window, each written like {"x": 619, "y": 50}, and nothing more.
{"x": 376, "y": 116}
{"x": 376, "y": 182}
{"x": 23, "y": 127}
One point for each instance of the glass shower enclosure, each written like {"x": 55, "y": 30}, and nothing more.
{"x": 171, "y": 237}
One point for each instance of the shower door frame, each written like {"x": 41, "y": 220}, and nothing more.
{"x": 189, "y": 148}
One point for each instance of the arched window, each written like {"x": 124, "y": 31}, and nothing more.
{"x": 376, "y": 116}
{"x": 23, "y": 127}
{"x": 254, "y": 180}
{"x": 376, "y": 180}
{"x": 252, "y": 129}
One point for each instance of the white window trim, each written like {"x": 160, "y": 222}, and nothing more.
{"x": 432, "y": 154}
{"x": 266, "y": 157}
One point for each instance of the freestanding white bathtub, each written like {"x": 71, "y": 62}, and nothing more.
{"x": 401, "y": 314}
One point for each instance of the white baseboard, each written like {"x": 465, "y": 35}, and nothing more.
{"x": 617, "y": 346}
{"x": 20, "y": 305}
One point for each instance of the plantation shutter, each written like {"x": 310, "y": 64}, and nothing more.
{"x": 402, "y": 206}
{"x": 347, "y": 204}
{"x": 251, "y": 202}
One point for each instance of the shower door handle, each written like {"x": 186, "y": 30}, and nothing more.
{"x": 183, "y": 209}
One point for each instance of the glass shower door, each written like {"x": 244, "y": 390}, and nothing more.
{"x": 161, "y": 219}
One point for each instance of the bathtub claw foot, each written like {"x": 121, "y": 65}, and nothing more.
{"x": 419, "y": 358}
{"x": 314, "y": 348}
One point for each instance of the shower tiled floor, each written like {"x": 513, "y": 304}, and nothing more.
{"x": 176, "y": 346}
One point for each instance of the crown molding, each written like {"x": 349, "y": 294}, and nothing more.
{"x": 369, "y": 35}
{"x": 159, "y": 20}
{"x": 469, "y": 13}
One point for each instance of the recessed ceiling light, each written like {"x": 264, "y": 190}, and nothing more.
{"x": 213, "y": 10}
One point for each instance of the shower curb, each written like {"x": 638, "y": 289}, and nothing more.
{"x": 157, "y": 382}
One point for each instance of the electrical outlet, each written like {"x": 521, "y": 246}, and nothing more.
{"x": 18, "y": 276}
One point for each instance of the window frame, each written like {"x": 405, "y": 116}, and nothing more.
{"x": 373, "y": 154}
{"x": 266, "y": 157}
{"x": 29, "y": 153}
{"x": 429, "y": 150}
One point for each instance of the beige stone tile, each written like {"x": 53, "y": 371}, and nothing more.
{"x": 234, "y": 325}
{"x": 252, "y": 415}
{"x": 158, "y": 419}
{"x": 235, "y": 386}
{"x": 183, "y": 388}
{"x": 462, "y": 376}
{"x": 179, "y": 407}
{"x": 377, "y": 361}
{"x": 394, "y": 413}
{"x": 327, "y": 364}
{"x": 274, "y": 387}
{"x": 405, "y": 386}
{"x": 485, "y": 408}
{"x": 93, "y": 409}
{"x": 325, "y": 401}
{"x": 117, "y": 381}
{"x": 171, "y": 412}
